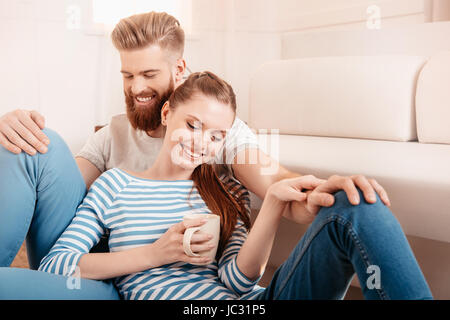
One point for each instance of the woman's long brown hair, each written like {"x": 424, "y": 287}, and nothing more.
{"x": 213, "y": 192}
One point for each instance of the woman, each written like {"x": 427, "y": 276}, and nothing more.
{"x": 143, "y": 213}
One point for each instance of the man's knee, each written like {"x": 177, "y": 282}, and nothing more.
{"x": 56, "y": 141}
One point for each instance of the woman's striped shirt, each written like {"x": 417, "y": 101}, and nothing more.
{"x": 137, "y": 212}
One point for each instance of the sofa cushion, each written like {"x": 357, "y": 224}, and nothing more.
{"x": 369, "y": 97}
{"x": 433, "y": 100}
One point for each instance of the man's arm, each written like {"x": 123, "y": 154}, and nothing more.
{"x": 91, "y": 158}
{"x": 302, "y": 212}
{"x": 89, "y": 172}
{"x": 252, "y": 177}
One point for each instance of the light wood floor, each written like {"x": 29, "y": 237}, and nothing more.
{"x": 21, "y": 260}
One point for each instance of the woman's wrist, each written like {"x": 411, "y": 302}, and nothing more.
{"x": 106, "y": 265}
{"x": 150, "y": 256}
{"x": 254, "y": 253}
{"x": 273, "y": 201}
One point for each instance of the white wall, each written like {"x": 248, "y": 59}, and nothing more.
{"x": 48, "y": 67}
{"x": 72, "y": 76}
{"x": 226, "y": 40}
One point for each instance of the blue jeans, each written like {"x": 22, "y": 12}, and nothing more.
{"x": 345, "y": 239}
{"x": 39, "y": 196}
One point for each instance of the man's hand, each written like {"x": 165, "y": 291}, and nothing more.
{"x": 21, "y": 130}
{"x": 322, "y": 195}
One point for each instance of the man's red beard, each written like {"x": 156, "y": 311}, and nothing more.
{"x": 147, "y": 119}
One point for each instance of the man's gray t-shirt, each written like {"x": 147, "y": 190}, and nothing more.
{"x": 119, "y": 145}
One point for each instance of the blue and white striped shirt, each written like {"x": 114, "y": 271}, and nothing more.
{"x": 137, "y": 212}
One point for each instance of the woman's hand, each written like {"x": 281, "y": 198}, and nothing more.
{"x": 254, "y": 253}
{"x": 294, "y": 192}
{"x": 169, "y": 248}
{"x": 292, "y": 189}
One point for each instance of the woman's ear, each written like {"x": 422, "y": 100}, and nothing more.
{"x": 164, "y": 112}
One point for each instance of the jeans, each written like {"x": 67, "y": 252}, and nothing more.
{"x": 39, "y": 196}
{"x": 345, "y": 239}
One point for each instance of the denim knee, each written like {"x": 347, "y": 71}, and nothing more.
{"x": 362, "y": 213}
{"x": 58, "y": 151}
{"x": 56, "y": 141}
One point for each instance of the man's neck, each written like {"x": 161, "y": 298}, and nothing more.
{"x": 157, "y": 133}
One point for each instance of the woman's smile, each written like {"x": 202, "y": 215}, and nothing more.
{"x": 191, "y": 155}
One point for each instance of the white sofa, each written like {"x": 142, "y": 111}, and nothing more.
{"x": 386, "y": 116}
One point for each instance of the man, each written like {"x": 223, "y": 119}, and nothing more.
{"x": 151, "y": 49}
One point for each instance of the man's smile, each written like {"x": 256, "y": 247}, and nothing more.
{"x": 143, "y": 101}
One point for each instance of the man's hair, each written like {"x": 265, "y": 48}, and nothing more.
{"x": 152, "y": 28}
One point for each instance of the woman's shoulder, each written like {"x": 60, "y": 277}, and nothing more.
{"x": 116, "y": 174}
{"x": 113, "y": 180}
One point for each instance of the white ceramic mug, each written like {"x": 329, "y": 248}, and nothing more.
{"x": 212, "y": 226}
